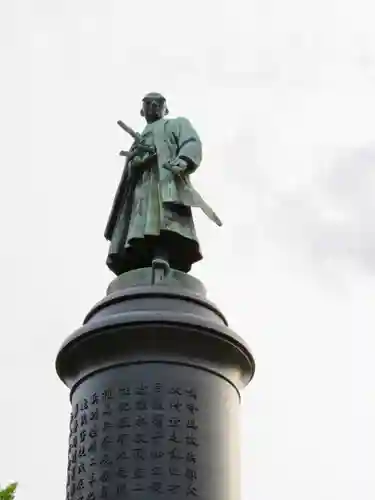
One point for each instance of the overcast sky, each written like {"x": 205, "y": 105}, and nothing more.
{"x": 282, "y": 93}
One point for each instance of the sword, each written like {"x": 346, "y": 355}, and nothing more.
{"x": 198, "y": 201}
{"x": 137, "y": 140}
{"x": 205, "y": 207}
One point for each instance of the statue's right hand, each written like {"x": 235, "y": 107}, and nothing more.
{"x": 136, "y": 161}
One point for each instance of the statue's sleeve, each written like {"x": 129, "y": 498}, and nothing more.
{"x": 189, "y": 144}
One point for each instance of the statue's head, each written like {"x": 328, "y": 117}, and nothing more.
{"x": 154, "y": 107}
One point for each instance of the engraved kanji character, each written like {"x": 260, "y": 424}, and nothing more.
{"x": 157, "y": 420}
{"x": 192, "y": 408}
{"x": 191, "y": 457}
{"x": 75, "y": 411}
{"x": 156, "y": 487}
{"x": 106, "y": 460}
{"x": 80, "y": 497}
{"x": 81, "y": 468}
{"x": 141, "y": 405}
{"x": 157, "y": 404}
{"x": 74, "y": 470}
{"x": 124, "y": 422}
{"x": 72, "y": 489}
{"x": 139, "y": 473}
{"x": 74, "y": 426}
{"x": 90, "y": 496}
{"x": 80, "y": 484}
{"x": 107, "y": 394}
{"x": 157, "y": 471}
{"x": 94, "y": 400}
{"x": 173, "y": 488}
{"x": 92, "y": 462}
{"x": 121, "y": 489}
{"x": 157, "y": 387}
{"x": 122, "y": 456}
{"x": 173, "y": 438}
{"x": 122, "y": 438}
{"x": 124, "y": 391}
{"x": 82, "y": 451}
{"x": 174, "y": 422}
{"x": 192, "y": 393}
{"x": 159, "y": 435}
{"x": 140, "y": 438}
{"x": 191, "y": 474}
{"x": 176, "y": 405}
{"x": 107, "y": 425}
{"x": 141, "y": 421}
{"x": 84, "y": 404}
{"x": 93, "y": 433}
{"x": 106, "y": 442}
{"x": 173, "y": 471}
{"x": 138, "y": 487}
{"x": 174, "y": 454}
{"x": 92, "y": 479}
{"x": 124, "y": 406}
{"x": 104, "y": 492}
{"x": 191, "y": 490}
{"x": 84, "y": 418}
{"x": 107, "y": 409}
{"x": 156, "y": 454}
{"x": 176, "y": 391}
{"x": 121, "y": 472}
{"x": 94, "y": 415}
{"x": 93, "y": 447}
{"x": 141, "y": 390}
{"x": 139, "y": 453}
{"x": 192, "y": 424}
{"x": 82, "y": 435}
{"x": 191, "y": 440}
{"x": 74, "y": 456}
{"x": 74, "y": 441}
{"x": 104, "y": 477}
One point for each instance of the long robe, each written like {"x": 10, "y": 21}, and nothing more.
{"x": 157, "y": 207}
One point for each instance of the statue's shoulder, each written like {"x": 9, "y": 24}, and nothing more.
{"x": 178, "y": 122}
{"x": 182, "y": 119}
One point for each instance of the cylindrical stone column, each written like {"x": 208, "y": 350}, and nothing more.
{"x": 155, "y": 376}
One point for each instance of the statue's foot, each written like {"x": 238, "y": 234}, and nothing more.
{"x": 160, "y": 269}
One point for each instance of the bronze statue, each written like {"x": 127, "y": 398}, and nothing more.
{"x": 151, "y": 221}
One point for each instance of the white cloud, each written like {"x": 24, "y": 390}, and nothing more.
{"x": 331, "y": 220}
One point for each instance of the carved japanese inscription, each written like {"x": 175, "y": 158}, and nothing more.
{"x": 130, "y": 440}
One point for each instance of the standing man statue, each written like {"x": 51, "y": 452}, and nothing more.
{"x": 151, "y": 223}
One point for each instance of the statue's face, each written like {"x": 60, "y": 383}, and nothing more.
{"x": 153, "y": 108}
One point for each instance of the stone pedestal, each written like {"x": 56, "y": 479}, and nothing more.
{"x": 155, "y": 376}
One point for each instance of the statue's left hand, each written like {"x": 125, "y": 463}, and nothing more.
{"x": 177, "y": 166}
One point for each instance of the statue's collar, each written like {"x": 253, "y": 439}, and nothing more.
{"x": 152, "y": 126}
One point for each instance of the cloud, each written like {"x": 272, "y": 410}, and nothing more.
{"x": 331, "y": 220}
